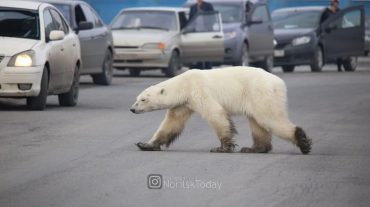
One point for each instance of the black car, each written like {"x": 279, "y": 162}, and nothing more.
{"x": 302, "y": 40}
{"x": 95, "y": 38}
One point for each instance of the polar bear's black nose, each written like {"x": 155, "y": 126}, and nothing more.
{"x": 132, "y": 110}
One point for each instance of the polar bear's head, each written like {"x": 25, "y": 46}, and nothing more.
{"x": 153, "y": 98}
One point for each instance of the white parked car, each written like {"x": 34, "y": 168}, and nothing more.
{"x": 163, "y": 38}
{"x": 39, "y": 54}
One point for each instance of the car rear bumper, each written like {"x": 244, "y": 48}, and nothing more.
{"x": 20, "y": 81}
{"x": 139, "y": 58}
{"x": 293, "y": 55}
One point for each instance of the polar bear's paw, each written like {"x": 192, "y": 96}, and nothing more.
{"x": 148, "y": 147}
{"x": 264, "y": 149}
{"x": 303, "y": 142}
{"x": 224, "y": 149}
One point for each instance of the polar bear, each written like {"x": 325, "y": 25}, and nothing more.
{"x": 217, "y": 95}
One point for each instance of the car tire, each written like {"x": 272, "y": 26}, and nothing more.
{"x": 105, "y": 78}
{"x": 71, "y": 97}
{"x": 134, "y": 72}
{"x": 38, "y": 103}
{"x": 267, "y": 64}
{"x": 244, "y": 57}
{"x": 350, "y": 64}
{"x": 174, "y": 65}
{"x": 288, "y": 68}
{"x": 318, "y": 60}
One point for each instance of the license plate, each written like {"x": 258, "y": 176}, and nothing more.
{"x": 279, "y": 53}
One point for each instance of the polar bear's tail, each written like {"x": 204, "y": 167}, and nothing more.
{"x": 303, "y": 142}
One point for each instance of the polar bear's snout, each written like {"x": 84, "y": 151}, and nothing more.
{"x": 133, "y": 110}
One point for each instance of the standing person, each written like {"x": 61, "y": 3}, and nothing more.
{"x": 201, "y": 6}
{"x": 330, "y": 11}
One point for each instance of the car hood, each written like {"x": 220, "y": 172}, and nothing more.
{"x": 11, "y": 46}
{"x": 137, "y": 38}
{"x": 287, "y": 35}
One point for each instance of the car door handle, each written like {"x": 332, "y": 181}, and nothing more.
{"x": 217, "y": 37}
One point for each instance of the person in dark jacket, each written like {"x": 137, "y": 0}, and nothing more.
{"x": 330, "y": 11}
{"x": 201, "y": 6}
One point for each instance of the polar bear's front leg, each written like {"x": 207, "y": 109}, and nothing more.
{"x": 170, "y": 129}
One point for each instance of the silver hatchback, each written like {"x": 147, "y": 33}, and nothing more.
{"x": 162, "y": 38}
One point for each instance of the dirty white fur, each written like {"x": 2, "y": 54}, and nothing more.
{"x": 216, "y": 95}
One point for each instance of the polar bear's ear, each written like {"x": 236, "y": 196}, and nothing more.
{"x": 162, "y": 91}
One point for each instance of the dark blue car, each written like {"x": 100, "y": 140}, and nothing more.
{"x": 302, "y": 40}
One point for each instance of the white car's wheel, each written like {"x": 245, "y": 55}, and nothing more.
{"x": 39, "y": 102}
{"x": 71, "y": 97}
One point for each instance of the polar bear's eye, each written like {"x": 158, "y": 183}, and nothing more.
{"x": 143, "y": 99}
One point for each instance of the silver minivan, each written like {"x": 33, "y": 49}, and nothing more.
{"x": 248, "y": 29}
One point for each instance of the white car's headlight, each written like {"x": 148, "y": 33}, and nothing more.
{"x": 230, "y": 35}
{"x": 23, "y": 59}
{"x": 157, "y": 45}
{"x": 301, "y": 40}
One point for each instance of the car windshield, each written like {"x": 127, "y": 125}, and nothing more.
{"x": 65, "y": 9}
{"x": 230, "y": 13}
{"x": 19, "y": 23}
{"x": 296, "y": 19}
{"x": 146, "y": 20}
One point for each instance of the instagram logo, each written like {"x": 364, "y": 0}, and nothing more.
{"x": 154, "y": 181}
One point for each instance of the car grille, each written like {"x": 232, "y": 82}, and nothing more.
{"x": 126, "y": 47}
{"x": 128, "y": 61}
{"x": 281, "y": 45}
{"x": 1, "y": 58}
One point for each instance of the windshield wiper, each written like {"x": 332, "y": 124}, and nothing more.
{"x": 151, "y": 27}
{"x": 117, "y": 28}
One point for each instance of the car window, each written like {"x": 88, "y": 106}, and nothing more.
{"x": 146, "y": 19}
{"x": 260, "y": 14}
{"x": 351, "y": 19}
{"x": 65, "y": 9}
{"x": 230, "y": 12}
{"x": 19, "y": 23}
{"x": 205, "y": 22}
{"x": 296, "y": 19}
{"x": 88, "y": 14}
{"x": 183, "y": 19}
{"x": 97, "y": 20}
{"x": 80, "y": 16}
{"x": 348, "y": 20}
{"x": 59, "y": 22}
{"x": 48, "y": 22}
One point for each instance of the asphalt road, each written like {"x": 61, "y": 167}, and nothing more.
{"x": 85, "y": 156}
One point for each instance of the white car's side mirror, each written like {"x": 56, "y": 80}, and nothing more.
{"x": 56, "y": 35}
